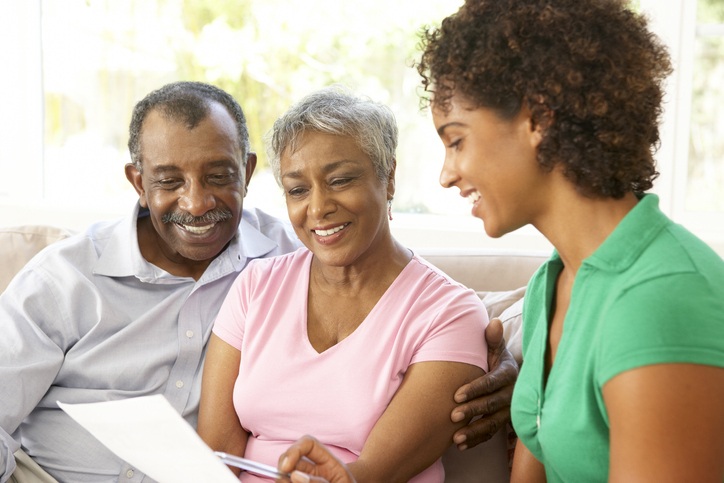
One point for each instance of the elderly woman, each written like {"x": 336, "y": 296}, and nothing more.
{"x": 549, "y": 113}
{"x": 353, "y": 338}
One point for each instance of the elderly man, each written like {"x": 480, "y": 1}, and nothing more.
{"x": 126, "y": 308}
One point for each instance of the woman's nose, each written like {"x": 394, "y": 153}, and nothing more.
{"x": 448, "y": 175}
{"x": 320, "y": 204}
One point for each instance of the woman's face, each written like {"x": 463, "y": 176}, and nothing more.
{"x": 335, "y": 201}
{"x": 492, "y": 161}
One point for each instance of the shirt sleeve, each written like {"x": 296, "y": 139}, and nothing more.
{"x": 30, "y": 356}
{"x": 231, "y": 319}
{"x": 678, "y": 318}
{"x": 457, "y": 332}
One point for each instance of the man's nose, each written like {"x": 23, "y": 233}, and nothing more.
{"x": 197, "y": 199}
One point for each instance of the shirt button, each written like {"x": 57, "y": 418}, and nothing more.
{"x": 129, "y": 474}
{"x": 537, "y": 420}
{"x": 179, "y": 384}
{"x": 189, "y": 333}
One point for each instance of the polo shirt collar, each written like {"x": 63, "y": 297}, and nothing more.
{"x": 634, "y": 232}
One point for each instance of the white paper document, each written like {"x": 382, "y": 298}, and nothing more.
{"x": 149, "y": 434}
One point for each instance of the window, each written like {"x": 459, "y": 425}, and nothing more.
{"x": 82, "y": 64}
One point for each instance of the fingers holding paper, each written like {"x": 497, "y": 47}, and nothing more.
{"x": 308, "y": 460}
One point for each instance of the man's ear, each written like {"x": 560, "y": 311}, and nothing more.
{"x": 134, "y": 176}
{"x": 391, "y": 180}
{"x": 249, "y": 170}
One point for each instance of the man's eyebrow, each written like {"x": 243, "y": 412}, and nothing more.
{"x": 165, "y": 168}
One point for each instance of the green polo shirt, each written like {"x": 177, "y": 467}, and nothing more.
{"x": 652, "y": 293}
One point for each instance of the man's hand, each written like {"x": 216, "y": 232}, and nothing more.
{"x": 487, "y": 399}
{"x": 308, "y": 460}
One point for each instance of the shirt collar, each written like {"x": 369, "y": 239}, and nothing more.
{"x": 634, "y": 232}
{"x": 121, "y": 257}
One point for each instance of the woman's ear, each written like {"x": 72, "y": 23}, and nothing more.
{"x": 540, "y": 119}
{"x": 391, "y": 180}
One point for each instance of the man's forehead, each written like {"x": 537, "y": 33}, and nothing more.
{"x": 166, "y": 142}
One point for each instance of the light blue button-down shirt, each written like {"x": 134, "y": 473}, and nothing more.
{"x": 89, "y": 319}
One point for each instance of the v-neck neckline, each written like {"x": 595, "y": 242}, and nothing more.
{"x": 363, "y": 325}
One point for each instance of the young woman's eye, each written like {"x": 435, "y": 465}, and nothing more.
{"x": 455, "y": 144}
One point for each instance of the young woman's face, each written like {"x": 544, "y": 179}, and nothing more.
{"x": 492, "y": 161}
{"x": 335, "y": 200}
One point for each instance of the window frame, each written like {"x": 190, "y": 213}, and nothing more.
{"x": 22, "y": 197}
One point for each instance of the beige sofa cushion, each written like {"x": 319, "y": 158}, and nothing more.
{"x": 508, "y": 307}
{"x": 19, "y": 244}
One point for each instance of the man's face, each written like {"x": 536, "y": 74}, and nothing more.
{"x": 193, "y": 183}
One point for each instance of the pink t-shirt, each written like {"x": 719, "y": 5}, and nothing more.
{"x": 286, "y": 389}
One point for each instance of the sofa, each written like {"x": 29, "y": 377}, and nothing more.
{"x": 498, "y": 277}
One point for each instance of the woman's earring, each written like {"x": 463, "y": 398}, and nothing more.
{"x": 389, "y": 209}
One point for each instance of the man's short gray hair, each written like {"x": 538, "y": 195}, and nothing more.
{"x": 189, "y": 103}
{"x": 336, "y": 110}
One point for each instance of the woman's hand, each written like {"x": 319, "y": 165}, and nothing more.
{"x": 489, "y": 396}
{"x": 308, "y": 460}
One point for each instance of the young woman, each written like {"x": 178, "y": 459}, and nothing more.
{"x": 549, "y": 112}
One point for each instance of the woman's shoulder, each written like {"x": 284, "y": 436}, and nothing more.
{"x": 431, "y": 282}
{"x": 421, "y": 269}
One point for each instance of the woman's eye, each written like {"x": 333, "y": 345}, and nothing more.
{"x": 340, "y": 181}
{"x": 296, "y": 191}
{"x": 455, "y": 144}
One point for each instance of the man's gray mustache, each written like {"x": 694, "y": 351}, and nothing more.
{"x": 215, "y": 216}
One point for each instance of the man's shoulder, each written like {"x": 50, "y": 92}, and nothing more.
{"x": 80, "y": 246}
{"x": 260, "y": 219}
{"x": 275, "y": 228}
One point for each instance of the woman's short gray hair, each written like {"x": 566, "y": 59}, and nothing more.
{"x": 336, "y": 110}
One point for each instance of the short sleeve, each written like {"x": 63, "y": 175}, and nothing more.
{"x": 231, "y": 319}
{"x": 457, "y": 334}
{"x": 672, "y": 319}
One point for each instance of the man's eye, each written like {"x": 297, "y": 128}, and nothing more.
{"x": 221, "y": 178}
{"x": 168, "y": 183}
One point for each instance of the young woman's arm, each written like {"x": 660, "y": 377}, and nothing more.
{"x": 667, "y": 423}
{"x": 526, "y": 467}
{"x": 415, "y": 429}
{"x": 219, "y": 424}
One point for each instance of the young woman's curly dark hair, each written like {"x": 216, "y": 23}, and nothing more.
{"x": 589, "y": 70}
